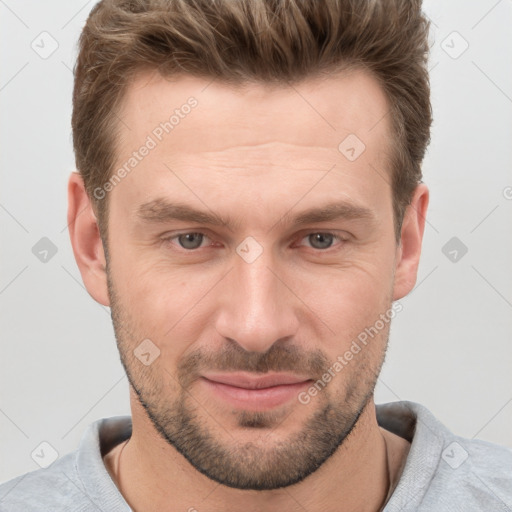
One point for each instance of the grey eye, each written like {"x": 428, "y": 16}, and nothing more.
{"x": 190, "y": 240}
{"x": 321, "y": 240}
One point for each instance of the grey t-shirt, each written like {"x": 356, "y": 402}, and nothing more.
{"x": 443, "y": 472}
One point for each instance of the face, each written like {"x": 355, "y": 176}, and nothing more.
{"x": 249, "y": 251}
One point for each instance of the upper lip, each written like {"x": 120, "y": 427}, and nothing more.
{"x": 251, "y": 381}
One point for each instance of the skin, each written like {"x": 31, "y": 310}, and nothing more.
{"x": 252, "y": 155}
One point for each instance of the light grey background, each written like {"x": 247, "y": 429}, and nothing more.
{"x": 451, "y": 347}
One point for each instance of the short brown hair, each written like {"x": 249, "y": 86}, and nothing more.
{"x": 239, "y": 41}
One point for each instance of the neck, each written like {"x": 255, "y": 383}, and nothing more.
{"x": 152, "y": 475}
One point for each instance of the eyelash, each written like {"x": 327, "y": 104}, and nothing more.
{"x": 339, "y": 238}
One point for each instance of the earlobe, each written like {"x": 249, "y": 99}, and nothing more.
{"x": 408, "y": 254}
{"x": 86, "y": 241}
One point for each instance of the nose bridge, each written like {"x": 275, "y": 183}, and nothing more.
{"x": 256, "y": 308}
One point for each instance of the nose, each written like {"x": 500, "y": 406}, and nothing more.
{"x": 256, "y": 307}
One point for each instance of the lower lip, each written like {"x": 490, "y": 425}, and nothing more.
{"x": 256, "y": 399}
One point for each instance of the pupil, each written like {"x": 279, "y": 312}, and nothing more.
{"x": 187, "y": 240}
{"x": 321, "y": 240}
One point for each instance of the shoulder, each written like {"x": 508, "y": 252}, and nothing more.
{"x": 77, "y": 482}
{"x": 54, "y": 488}
{"x": 475, "y": 472}
{"x": 444, "y": 471}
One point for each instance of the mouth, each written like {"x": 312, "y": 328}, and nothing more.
{"x": 257, "y": 393}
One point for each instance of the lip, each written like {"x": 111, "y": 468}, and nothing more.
{"x": 251, "y": 392}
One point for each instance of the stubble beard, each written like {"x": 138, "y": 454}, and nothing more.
{"x": 270, "y": 461}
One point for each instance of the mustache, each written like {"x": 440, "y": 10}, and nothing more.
{"x": 279, "y": 358}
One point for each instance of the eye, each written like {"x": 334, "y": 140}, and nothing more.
{"x": 189, "y": 241}
{"x": 194, "y": 240}
{"x": 322, "y": 241}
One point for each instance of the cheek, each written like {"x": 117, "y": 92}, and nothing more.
{"x": 350, "y": 300}
{"x": 167, "y": 305}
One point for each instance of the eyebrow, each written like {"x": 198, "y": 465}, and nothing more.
{"x": 161, "y": 210}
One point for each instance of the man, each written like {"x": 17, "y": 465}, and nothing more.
{"x": 249, "y": 204}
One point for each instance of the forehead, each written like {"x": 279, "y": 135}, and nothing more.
{"x": 217, "y": 136}
{"x": 317, "y": 112}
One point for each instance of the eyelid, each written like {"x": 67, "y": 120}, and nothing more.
{"x": 169, "y": 237}
{"x": 338, "y": 236}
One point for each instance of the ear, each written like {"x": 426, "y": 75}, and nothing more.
{"x": 86, "y": 240}
{"x": 409, "y": 250}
